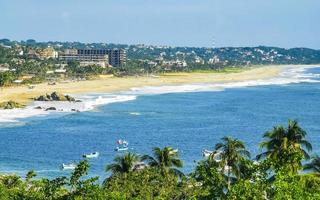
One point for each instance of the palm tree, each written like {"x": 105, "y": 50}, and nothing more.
{"x": 296, "y": 136}
{"x": 314, "y": 165}
{"x": 273, "y": 143}
{"x": 166, "y": 160}
{"x": 286, "y": 146}
{"x": 123, "y": 164}
{"x": 231, "y": 152}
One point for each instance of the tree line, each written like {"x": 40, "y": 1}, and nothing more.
{"x": 285, "y": 170}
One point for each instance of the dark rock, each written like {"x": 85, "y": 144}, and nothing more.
{"x": 51, "y": 108}
{"x": 69, "y": 98}
{"x": 55, "y": 96}
{"x": 38, "y": 107}
{"x": 42, "y": 98}
{"x": 48, "y": 97}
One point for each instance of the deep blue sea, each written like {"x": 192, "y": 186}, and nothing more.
{"x": 190, "y": 121}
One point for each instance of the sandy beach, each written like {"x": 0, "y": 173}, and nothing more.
{"x": 23, "y": 94}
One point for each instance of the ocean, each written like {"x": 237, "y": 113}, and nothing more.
{"x": 189, "y": 117}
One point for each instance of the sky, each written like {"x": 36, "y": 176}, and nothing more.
{"x": 199, "y": 23}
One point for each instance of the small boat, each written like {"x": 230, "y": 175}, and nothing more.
{"x": 206, "y": 153}
{"x": 91, "y": 155}
{"x": 125, "y": 148}
{"x": 123, "y": 145}
{"x": 70, "y": 166}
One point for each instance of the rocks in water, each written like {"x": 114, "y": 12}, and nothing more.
{"x": 11, "y": 105}
{"x": 69, "y": 98}
{"x": 58, "y": 97}
{"x": 55, "y": 96}
{"x": 51, "y": 108}
{"x": 42, "y": 98}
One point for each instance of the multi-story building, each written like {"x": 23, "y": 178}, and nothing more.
{"x": 113, "y": 57}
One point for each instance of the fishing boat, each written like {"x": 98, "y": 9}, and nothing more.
{"x": 91, "y": 155}
{"x": 70, "y": 166}
{"x": 121, "y": 149}
{"x": 122, "y": 145}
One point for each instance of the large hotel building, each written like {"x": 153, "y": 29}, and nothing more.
{"x": 102, "y": 57}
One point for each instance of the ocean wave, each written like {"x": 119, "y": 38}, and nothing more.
{"x": 39, "y": 108}
{"x": 13, "y": 115}
{"x": 105, "y": 99}
{"x": 135, "y": 113}
{"x": 288, "y": 76}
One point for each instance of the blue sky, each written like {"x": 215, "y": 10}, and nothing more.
{"x": 283, "y": 23}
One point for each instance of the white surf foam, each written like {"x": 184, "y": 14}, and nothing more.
{"x": 7, "y": 116}
{"x": 106, "y": 99}
{"x": 135, "y": 113}
{"x": 288, "y": 76}
{"x": 39, "y": 108}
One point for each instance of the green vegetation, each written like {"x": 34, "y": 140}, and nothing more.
{"x": 165, "y": 160}
{"x": 123, "y": 164}
{"x": 6, "y": 78}
{"x": 21, "y": 59}
{"x": 228, "y": 173}
{"x": 286, "y": 147}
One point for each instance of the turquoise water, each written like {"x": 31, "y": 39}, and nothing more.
{"x": 187, "y": 121}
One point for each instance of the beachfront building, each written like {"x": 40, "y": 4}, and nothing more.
{"x": 47, "y": 53}
{"x": 102, "y": 57}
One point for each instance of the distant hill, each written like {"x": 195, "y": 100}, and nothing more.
{"x": 194, "y": 56}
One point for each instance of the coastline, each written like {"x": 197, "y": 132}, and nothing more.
{"x": 22, "y": 94}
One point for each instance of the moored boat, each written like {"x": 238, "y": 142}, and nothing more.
{"x": 91, "y": 155}
{"x": 70, "y": 166}
{"x": 121, "y": 148}
{"x": 122, "y": 145}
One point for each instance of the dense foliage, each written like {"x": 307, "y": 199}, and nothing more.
{"x": 141, "y": 59}
{"x": 227, "y": 173}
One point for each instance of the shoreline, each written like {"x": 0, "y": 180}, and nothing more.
{"x": 22, "y": 94}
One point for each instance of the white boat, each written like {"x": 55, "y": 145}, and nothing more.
{"x": 206, "y": 153}
{"x": 123, "y": 145}
{"x": 125, "y": 148}
{"x": 70, "y": 166}
{"x": 91, "y": 155}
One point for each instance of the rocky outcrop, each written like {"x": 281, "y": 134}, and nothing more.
{"x": 54, "y": 96}
{"x": 51, "y": 108}
{"x": 11, "y": 105}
